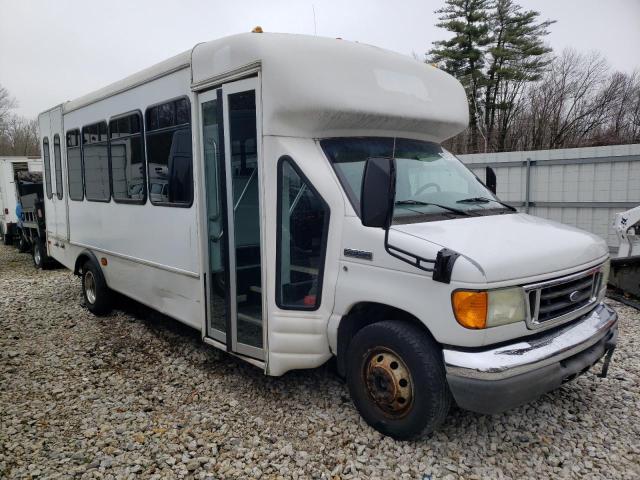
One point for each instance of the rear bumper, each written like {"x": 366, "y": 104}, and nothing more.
{"x": 494, "y": 380}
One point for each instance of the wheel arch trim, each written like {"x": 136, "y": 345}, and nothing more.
{"x": 84, "y": 256}
{"x": 362, "y": 314}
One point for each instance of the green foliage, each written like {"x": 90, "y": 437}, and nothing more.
{"x": 495, "y": 50}
{"x": 463, "y": 55}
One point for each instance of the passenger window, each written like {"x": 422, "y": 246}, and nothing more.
{"x": 47, "y": 166}
{"x": 168, "y": 142}
{"x": 303, "y": 225}
{"x": 74, "y": 166}
{"x": 57, "y": 157}
{"x": 127, "y": 159}
{"x": 95, "y": 154}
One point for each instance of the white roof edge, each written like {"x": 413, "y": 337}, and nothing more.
{"x": 173, "y": 64}
{"x": 560, "y": 153}
{"x": 18, "y": 158}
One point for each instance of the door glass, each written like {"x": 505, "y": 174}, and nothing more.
{"x": 302, "y": 241}
{"x": 212, "y": 143}
{"x": 246, "y": 216}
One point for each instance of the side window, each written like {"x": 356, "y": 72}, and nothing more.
{"x": 74, "y": 166}
{"x": 168, "y": 140}
{"x": 303, "y": 225}
{"x": 57, "y": 157}
{"x": 128, "y": 172}
{"x": 95, "y": 155}
{"x": 47, "y": 166}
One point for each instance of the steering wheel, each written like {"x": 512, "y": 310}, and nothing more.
{"x": 428, "y": 185}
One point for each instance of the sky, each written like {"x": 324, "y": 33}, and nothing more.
{"x": 52, "y": 51}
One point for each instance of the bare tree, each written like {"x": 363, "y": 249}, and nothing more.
{"x": 20, "y": 137}
{"x": 7, "y": 103}
{"x": 578, "y": 101}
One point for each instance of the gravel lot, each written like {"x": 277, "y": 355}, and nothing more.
{"x": 138, "y": 394}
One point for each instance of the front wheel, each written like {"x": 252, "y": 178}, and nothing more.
{"x": 396, "y": 379}
{"x": 97, "y": 296}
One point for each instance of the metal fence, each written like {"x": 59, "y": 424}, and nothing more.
{"x": 583, "y": 187}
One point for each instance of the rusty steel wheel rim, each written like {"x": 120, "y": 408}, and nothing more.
{"x": 389, "y": 382}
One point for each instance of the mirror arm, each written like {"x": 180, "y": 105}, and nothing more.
{"x": 442, "y": 265}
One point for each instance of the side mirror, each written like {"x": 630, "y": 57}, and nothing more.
{"x": 491, "y": 181}
{"x": 378, "y": 192}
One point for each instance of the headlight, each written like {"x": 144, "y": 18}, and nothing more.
{"x": 604, "y": 279}
{"x": 484, "y": 309}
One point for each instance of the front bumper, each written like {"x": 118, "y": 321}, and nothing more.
{"x": 494, "y": 380}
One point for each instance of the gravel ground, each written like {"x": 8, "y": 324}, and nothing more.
{"x": 136, "y": 394}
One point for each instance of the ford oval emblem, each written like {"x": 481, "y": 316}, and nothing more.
{"x": 573, "y": 296}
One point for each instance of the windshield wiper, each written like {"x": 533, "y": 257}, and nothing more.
{"x": 486, "y": 200}
{"x": 444, "y": 207}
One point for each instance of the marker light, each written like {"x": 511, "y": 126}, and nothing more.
{"x": 470, "y": 308}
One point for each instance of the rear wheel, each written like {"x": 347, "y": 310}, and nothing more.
{"x": 396, "y": 379}
{"x": 97, "y": 296}
{"x": 23, "y": 243}
{"x": 38, "y": 254}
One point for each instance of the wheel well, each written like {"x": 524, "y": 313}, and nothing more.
{"x": 82, "y": 258}
{"x": 361, "y": 315}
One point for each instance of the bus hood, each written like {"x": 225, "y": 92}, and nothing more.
{"x": 512, "y": 246}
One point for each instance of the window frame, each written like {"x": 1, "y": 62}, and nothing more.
{"x": 79, "y": 147}
{"x": 160, "y": 130}
{"x": 57, "y": 163}
{"x": 325, "y": 237}
{"x": 46, "y": 158}
{"x": 145, "y": 175}
{"x": 84, "y": 182}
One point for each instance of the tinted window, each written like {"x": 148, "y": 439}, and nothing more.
{"x": 127, "y": 159}
{"x": 169, "y": 155}
{"x": 74, "y": 166}
{"x": 57, "y": 156}
{"x": 95, "y": 153}
{"x": 303, "y": 222}
{"x": 47, "y": 166}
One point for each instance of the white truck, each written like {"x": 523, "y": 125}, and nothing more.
{"x": 9, "y": 167}
{"x": 308, "y": 211}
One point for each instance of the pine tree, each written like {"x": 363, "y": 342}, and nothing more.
{"x": 516, "y": 55}
{"x": 463, "y": 56}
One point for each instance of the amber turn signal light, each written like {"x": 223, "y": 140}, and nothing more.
{"x": 470, "y": 308}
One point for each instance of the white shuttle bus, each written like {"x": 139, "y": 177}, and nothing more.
{"x": 288, "y": 196}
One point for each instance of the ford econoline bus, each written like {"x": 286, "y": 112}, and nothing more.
{"x": 288, "y": 196}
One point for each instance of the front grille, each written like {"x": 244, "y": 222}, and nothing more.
{"x": 562, "y": 299}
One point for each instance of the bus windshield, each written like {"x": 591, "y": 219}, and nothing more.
{"x": 431, "y": 183}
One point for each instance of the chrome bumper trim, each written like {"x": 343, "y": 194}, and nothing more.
{"x": 530, "y": 354}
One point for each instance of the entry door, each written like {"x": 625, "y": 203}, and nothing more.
{"x": 57, "y": 146}
{"x": 231, "y": 152}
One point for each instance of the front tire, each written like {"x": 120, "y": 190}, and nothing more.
{"x": 97, "y": 296}
{"x": 396, "y": 379}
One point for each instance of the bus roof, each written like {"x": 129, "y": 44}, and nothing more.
{"x": 319, "y": 87}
